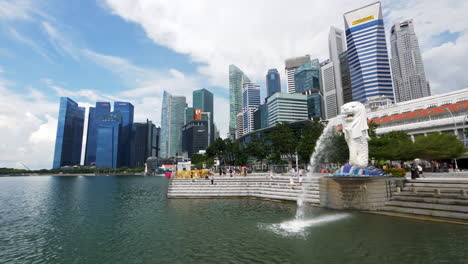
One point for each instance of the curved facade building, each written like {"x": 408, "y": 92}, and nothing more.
{"x": 367, "y": 54}
{"x": 236, "y": 81}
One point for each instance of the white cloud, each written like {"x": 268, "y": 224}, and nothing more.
{"x": 28, "y": 42}
{"x": 258, "y": 35}
{"x": 27, "y": 128}
{"x": 15, "y": 9}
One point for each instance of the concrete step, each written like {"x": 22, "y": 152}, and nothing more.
{"x": 433, "y": 190}
{"x": 432, "y": 206}
{"x": 435, "y": 200}
{"x": 437, "y": 185}
{"x": 428, "y": 212}
{"x": 432, "y": 194}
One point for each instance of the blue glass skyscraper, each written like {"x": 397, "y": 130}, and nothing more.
{"x": 307, "y": 77}
{"x": 126, "y": 110}
{"x": 69, "y": 134}
{"x": 273, "y": 82}
{"x": 108, "y": 140}
{"x": 95, "y": 116}
{"x": 367, "y": 54}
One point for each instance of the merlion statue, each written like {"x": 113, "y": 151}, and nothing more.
{"x": 355, "y": 132}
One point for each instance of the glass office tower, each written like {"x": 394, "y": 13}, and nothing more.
{"x": 367, "y": 54}
{"x": 307, "y": 77}
{"x": 69, "y": 135}
{"x": 203, "y": 99}
{"x": 95, "y": 116}
{"x": 126, "y": 110}
{"x": 273, "y": 82}
{"x": 108, "y": 140}
{"x": 236, "y": 81}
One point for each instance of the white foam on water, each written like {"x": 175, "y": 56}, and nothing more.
{"x": 299, "y": 227}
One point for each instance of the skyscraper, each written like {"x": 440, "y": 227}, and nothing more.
{"x": 95, "y": 116}
{"x": 327, "y": 71}
{"x": 165, "y": 125}
{"x": 240, "y": 125}
{"x": 367, "y": 54}
{"x": 250, "y": 103}
{"x": 307, "y": 76}
{"x": 203, "y": 99}
{"x": 69, "y": 134}
{"x": 177, "y": 115}
{"x": 336, "y": 46}
{"x": 126, "y": 109}
{"x": 144, "y": 143}
{"x": 188, "y": 115}
{"x": 273, "y": 82}
{"x": 236, "y": 80}
{"x": 284, "y": 107}
{"x": 409, "y": 79}
{"x": 195, "y": 137}
{"x": 345, "y": 78}
{"x": 108, "y": 141}
{"x": 290, "y": 67}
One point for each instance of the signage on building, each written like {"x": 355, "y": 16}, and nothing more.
{"x": 197, "y": 113}
{"x": 359, "y": 21}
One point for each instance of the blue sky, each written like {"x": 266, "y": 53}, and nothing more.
{"x": 132, "y": 50}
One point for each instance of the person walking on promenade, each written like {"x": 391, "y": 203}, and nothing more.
{"x": 420, "y": 171}
{"x": 291, "y": 183}
{"x": 414, "y": 171}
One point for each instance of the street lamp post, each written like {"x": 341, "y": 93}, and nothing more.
{"x": 456, "y": 134}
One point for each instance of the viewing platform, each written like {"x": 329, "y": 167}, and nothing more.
{"x": 438, "y": 196}
{"x": 251, "y": 186}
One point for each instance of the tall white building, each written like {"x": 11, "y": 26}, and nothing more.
{"x": 409, "y": 79}
{"x": 329, "y": 91}
{"x": 336, "y": 46}
{"x": 290, "y": 67}
{"x": 250, "y": 103}
{"x": 240, "y": 125}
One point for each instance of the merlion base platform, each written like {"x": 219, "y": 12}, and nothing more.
{"x": 357, "y": 193}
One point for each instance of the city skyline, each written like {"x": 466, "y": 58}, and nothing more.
{"x": 46, "y": 56}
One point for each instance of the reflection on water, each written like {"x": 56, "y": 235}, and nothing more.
{"x": 300, "y": 227}
{"x": 127, "y": 219}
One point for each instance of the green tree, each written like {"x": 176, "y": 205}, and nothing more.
{"x": 338, "y": 151}
{"x": 258, "y": 148}
{"x": 309, "y": 136}
{"x": 283, "y": 141}
{"x": 395, "y": 145}
{"x": 437, "y": 146}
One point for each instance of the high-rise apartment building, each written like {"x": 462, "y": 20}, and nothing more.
{"x": 108, "y": 153}
{"x": 250, "y": 103}
{"x": 284, "y": 107}
{"x": 126, "y": 109}
{"x": 367, "y": 54}
{"x": 336, "y": 46}
{"x": 203, "y": 99}
{"x": 290, "y": 68}
{"x": 95, "y": 116}
{"x": 273, "y": 82}
{"x": 69, "y": 135}
{"x": 409, "y": 79}
{"x": 236, "y": 81}
{"x": 327, "y": 71}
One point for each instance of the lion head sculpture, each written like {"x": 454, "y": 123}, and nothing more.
{"x": 355, "y": 131}
{"x": 355, "y": 120}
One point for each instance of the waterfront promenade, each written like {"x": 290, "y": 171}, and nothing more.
{"x": 437, "y": 196}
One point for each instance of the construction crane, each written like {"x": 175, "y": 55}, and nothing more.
{"x": 24, "y": 165}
